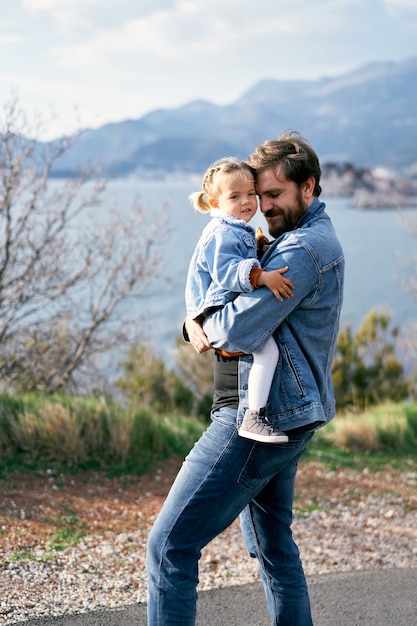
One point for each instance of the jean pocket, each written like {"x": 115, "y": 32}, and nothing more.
{"x": 225, "y": 415}
{"x": 267, "y": 460}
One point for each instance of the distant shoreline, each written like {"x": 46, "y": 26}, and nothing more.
{"x": 369, "y": 189}
{"x": 365, "y": 189}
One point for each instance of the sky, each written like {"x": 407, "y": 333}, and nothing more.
{"x": 84, "y": 63}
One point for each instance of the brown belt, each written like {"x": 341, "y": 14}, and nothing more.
{"x": 228, "y": 354}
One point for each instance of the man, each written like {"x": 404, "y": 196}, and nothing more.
{"x": 226, "y": 475}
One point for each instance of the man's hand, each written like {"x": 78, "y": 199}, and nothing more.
{"x": 197, "y": 336}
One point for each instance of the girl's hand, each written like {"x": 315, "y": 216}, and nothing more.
{"x": 280, "y": 286}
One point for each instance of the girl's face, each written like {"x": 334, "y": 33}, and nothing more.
{"x": 237, "y": 196}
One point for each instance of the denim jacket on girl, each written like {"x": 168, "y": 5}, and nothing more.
{"x": 305, "y": 326}
{"x": 221, "y": 263}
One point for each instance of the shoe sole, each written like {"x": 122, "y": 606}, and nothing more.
{"x": 264, "y": 438}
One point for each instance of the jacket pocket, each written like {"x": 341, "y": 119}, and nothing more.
{"x": 290, "y": 373}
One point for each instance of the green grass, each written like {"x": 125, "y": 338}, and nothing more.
{"x": 70, "y": 530}
{"x": 303, "y": 510}
{"x": 383, "y": 436}
{"x": 74, "y": 433}
{"x": 64, "y": 433}
{"x": 19, "y": 556}
{"x": 65, "y": 537}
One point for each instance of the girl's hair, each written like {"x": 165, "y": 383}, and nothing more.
{"x": 292, "y": 155}
{"x": 211, "y": 185}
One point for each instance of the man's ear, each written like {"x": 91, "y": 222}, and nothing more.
{"x": 213, "y": 203}
{"x": 308, "y": 186}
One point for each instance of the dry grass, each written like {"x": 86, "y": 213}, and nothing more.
{"x": 78, "y": 432}
{"x": 380, "y": 429}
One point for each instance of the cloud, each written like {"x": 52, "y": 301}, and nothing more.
{"x": 10, "y": 39}
{"x": 211, "y": 32}
{"x": 122, "y": 59}
{"x": 93, "y": 14}
{"x": 191, "y": 38}
{"x": 184, "y": 31}
{"x": 63, "y": 14}
{"x": 408, "y": 4}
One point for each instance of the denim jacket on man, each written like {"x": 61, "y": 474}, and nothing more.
{"x": 305, "y": 326}
{"x": 221, "y": 263}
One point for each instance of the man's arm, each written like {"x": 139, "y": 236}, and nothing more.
{"x": 247, "y": 322}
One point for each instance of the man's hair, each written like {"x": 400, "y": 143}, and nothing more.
{"x": 290, "y": 154}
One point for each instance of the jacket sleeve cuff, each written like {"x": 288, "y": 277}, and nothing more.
{"x": 253, "y": 276}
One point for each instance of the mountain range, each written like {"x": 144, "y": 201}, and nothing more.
{"x": 367, "y": 117}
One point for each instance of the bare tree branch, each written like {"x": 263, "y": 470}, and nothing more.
{"x": 69, "y": 261}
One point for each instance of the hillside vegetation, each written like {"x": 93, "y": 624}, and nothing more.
{"x": 83, "y": 433}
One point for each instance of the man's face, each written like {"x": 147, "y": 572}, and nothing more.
{"x": 282, "y": 201}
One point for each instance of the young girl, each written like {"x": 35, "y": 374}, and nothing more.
{"x": 224, "y": 264}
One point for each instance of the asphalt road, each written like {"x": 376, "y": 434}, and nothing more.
{"x": 365, "y": 598}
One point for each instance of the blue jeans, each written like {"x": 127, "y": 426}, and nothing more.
{"x": 223, "y": 476}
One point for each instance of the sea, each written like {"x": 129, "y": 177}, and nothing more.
{"x": 377, "y": 245}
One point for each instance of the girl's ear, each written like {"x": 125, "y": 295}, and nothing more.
{"x": 213, "y": 203}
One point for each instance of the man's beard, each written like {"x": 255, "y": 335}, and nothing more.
{"x": 290, "y": 219}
